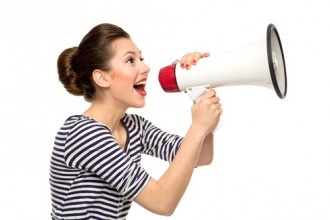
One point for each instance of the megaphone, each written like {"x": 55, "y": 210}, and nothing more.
{"x": 258, "y": 64}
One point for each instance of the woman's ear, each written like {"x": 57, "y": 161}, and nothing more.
{"x": 101, "y": 78}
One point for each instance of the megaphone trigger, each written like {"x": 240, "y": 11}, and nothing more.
{"x": 196, "y": 92}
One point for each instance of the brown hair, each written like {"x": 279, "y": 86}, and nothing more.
{"x": 75, "y": 65}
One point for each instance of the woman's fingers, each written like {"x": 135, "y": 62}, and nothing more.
{"x": 190, "y": 59}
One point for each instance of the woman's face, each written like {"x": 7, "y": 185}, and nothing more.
{"x": 128, "y": 74}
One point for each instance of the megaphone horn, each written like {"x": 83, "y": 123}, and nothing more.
{"x": 259, "y": 64}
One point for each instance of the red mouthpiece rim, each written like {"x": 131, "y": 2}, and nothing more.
{"x": 167, "y": 79}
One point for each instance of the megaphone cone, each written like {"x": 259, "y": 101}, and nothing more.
{"x": 260, "y": 64}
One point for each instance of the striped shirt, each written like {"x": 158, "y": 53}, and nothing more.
{"x": 91, "y": 177}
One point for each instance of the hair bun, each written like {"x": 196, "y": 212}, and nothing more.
{"x": 66, "y": 74}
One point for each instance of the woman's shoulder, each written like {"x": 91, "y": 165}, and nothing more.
{"x": 132, "y": 116}
{"x": 77, "y": 119}
{"x": 80, "y": 121}
{"x": 135, "y": 120}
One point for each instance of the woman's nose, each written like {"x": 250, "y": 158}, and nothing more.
{"x": 145, "y": 68}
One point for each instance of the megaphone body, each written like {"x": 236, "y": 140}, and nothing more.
{"x": 259, "y": 64}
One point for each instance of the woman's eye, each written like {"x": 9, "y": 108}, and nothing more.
{"x": 130, "y": 60}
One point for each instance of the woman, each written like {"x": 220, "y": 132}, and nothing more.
{"x": 95, "y": 166}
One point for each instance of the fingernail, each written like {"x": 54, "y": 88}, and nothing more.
{"x": 182, "y": 65}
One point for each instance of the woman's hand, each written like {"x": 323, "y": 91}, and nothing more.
{"x": 190, "y": 59}
{"x": 206, "y": 112}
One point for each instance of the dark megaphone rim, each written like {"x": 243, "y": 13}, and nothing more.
{"x": 271, "y": 28}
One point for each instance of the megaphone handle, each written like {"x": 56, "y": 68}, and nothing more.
{"x": 217, "y": 127}
{"x": 195, "y": 93}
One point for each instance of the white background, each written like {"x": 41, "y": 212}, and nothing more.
{"x": 271, "y": 155}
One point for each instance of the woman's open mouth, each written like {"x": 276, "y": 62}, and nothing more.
{"x": 140, "y": 87}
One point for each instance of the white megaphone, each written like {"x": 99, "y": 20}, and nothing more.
{"x": 259, "y": 64}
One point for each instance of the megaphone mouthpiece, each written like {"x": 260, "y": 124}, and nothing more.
{"x": 167, "y": 79}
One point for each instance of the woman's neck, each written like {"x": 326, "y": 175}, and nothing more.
{"x": 108, "y": 115}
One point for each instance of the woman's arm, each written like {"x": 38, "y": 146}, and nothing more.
{"x": 206, "y": 154}
{"x": 162, "y": 196}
